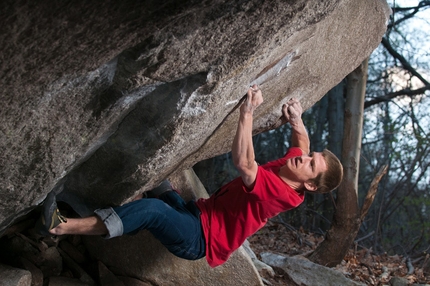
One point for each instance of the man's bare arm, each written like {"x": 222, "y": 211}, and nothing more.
{"x": 242, "y": 149}
{"x": 292, "y": 111}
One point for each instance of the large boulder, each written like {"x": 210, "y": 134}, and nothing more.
{"x": 101, "y": 100}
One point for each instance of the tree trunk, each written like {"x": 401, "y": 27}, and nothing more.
{"x": 336, "y": 105}
{"x": 312, "y": 202}
{"x": 346, "y": 220}
{"x": 335, "y": 115}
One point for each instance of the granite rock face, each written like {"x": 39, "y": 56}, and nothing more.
{"x": 104, "y": 99}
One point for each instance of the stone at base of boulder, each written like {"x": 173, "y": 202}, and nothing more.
{"x": 129, "y": 281}
{"x": 14, "y": 276}
{"x": 306, "y": 273}
{"x": 65, "y": 281}
{"x": 261, "y": 266}
{"x": 106, "y": 277}
{"x": 36, "y": 273}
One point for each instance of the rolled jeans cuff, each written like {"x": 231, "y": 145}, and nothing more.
{"x": 112, "y": 222}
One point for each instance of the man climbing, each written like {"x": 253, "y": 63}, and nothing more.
{"x": 215, "y": 227}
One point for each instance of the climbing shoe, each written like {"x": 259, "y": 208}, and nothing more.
{"x": 50, "y": 216}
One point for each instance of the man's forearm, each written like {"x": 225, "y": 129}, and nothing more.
{"x": 243, "y": 149}
{"x": 300, "y": 137}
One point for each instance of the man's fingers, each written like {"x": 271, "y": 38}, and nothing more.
{"x": 292, "y": 112}
{"x": 291, "y": 109}
{"x": 294, "y": 105}
{"x": 285, "y": 111}
{"x": 254, "y": 88}
{"x": 254, "y": 96}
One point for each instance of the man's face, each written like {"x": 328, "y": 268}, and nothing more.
{"x": 305, "y": 167}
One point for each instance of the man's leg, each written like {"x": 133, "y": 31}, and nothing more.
{"x": 169, "y": 219}
{"x": 151, "y": 214}
{"x": 92, "y": 225}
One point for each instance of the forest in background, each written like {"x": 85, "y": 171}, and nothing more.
{"x": 396, "y": 123}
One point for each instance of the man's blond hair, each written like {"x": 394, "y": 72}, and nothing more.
{"x": 329, "y": 180}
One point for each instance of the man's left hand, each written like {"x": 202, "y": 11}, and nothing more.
{"x": 254, "y": 98}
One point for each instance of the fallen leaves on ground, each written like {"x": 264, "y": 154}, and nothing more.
{"x": 359, "y": 264}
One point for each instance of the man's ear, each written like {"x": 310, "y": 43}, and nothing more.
{"x": 310, "y": 186}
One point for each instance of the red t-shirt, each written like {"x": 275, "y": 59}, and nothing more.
{"x": 234, "y": 212}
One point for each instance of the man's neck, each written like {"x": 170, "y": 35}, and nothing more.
{"x": 293, "y": 184}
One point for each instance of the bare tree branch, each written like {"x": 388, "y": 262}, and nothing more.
{"x": 406, "y": 65}
{"x": 370, "y": 196}
{"x": 390, "y": 96}
{"x": 364, "y": 237}
{"x": 415, "y": 9}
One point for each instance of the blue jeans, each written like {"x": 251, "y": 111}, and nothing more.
{"x": 173, "y": 222}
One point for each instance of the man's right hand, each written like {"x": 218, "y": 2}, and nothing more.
{"x": 292, "y": 112}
